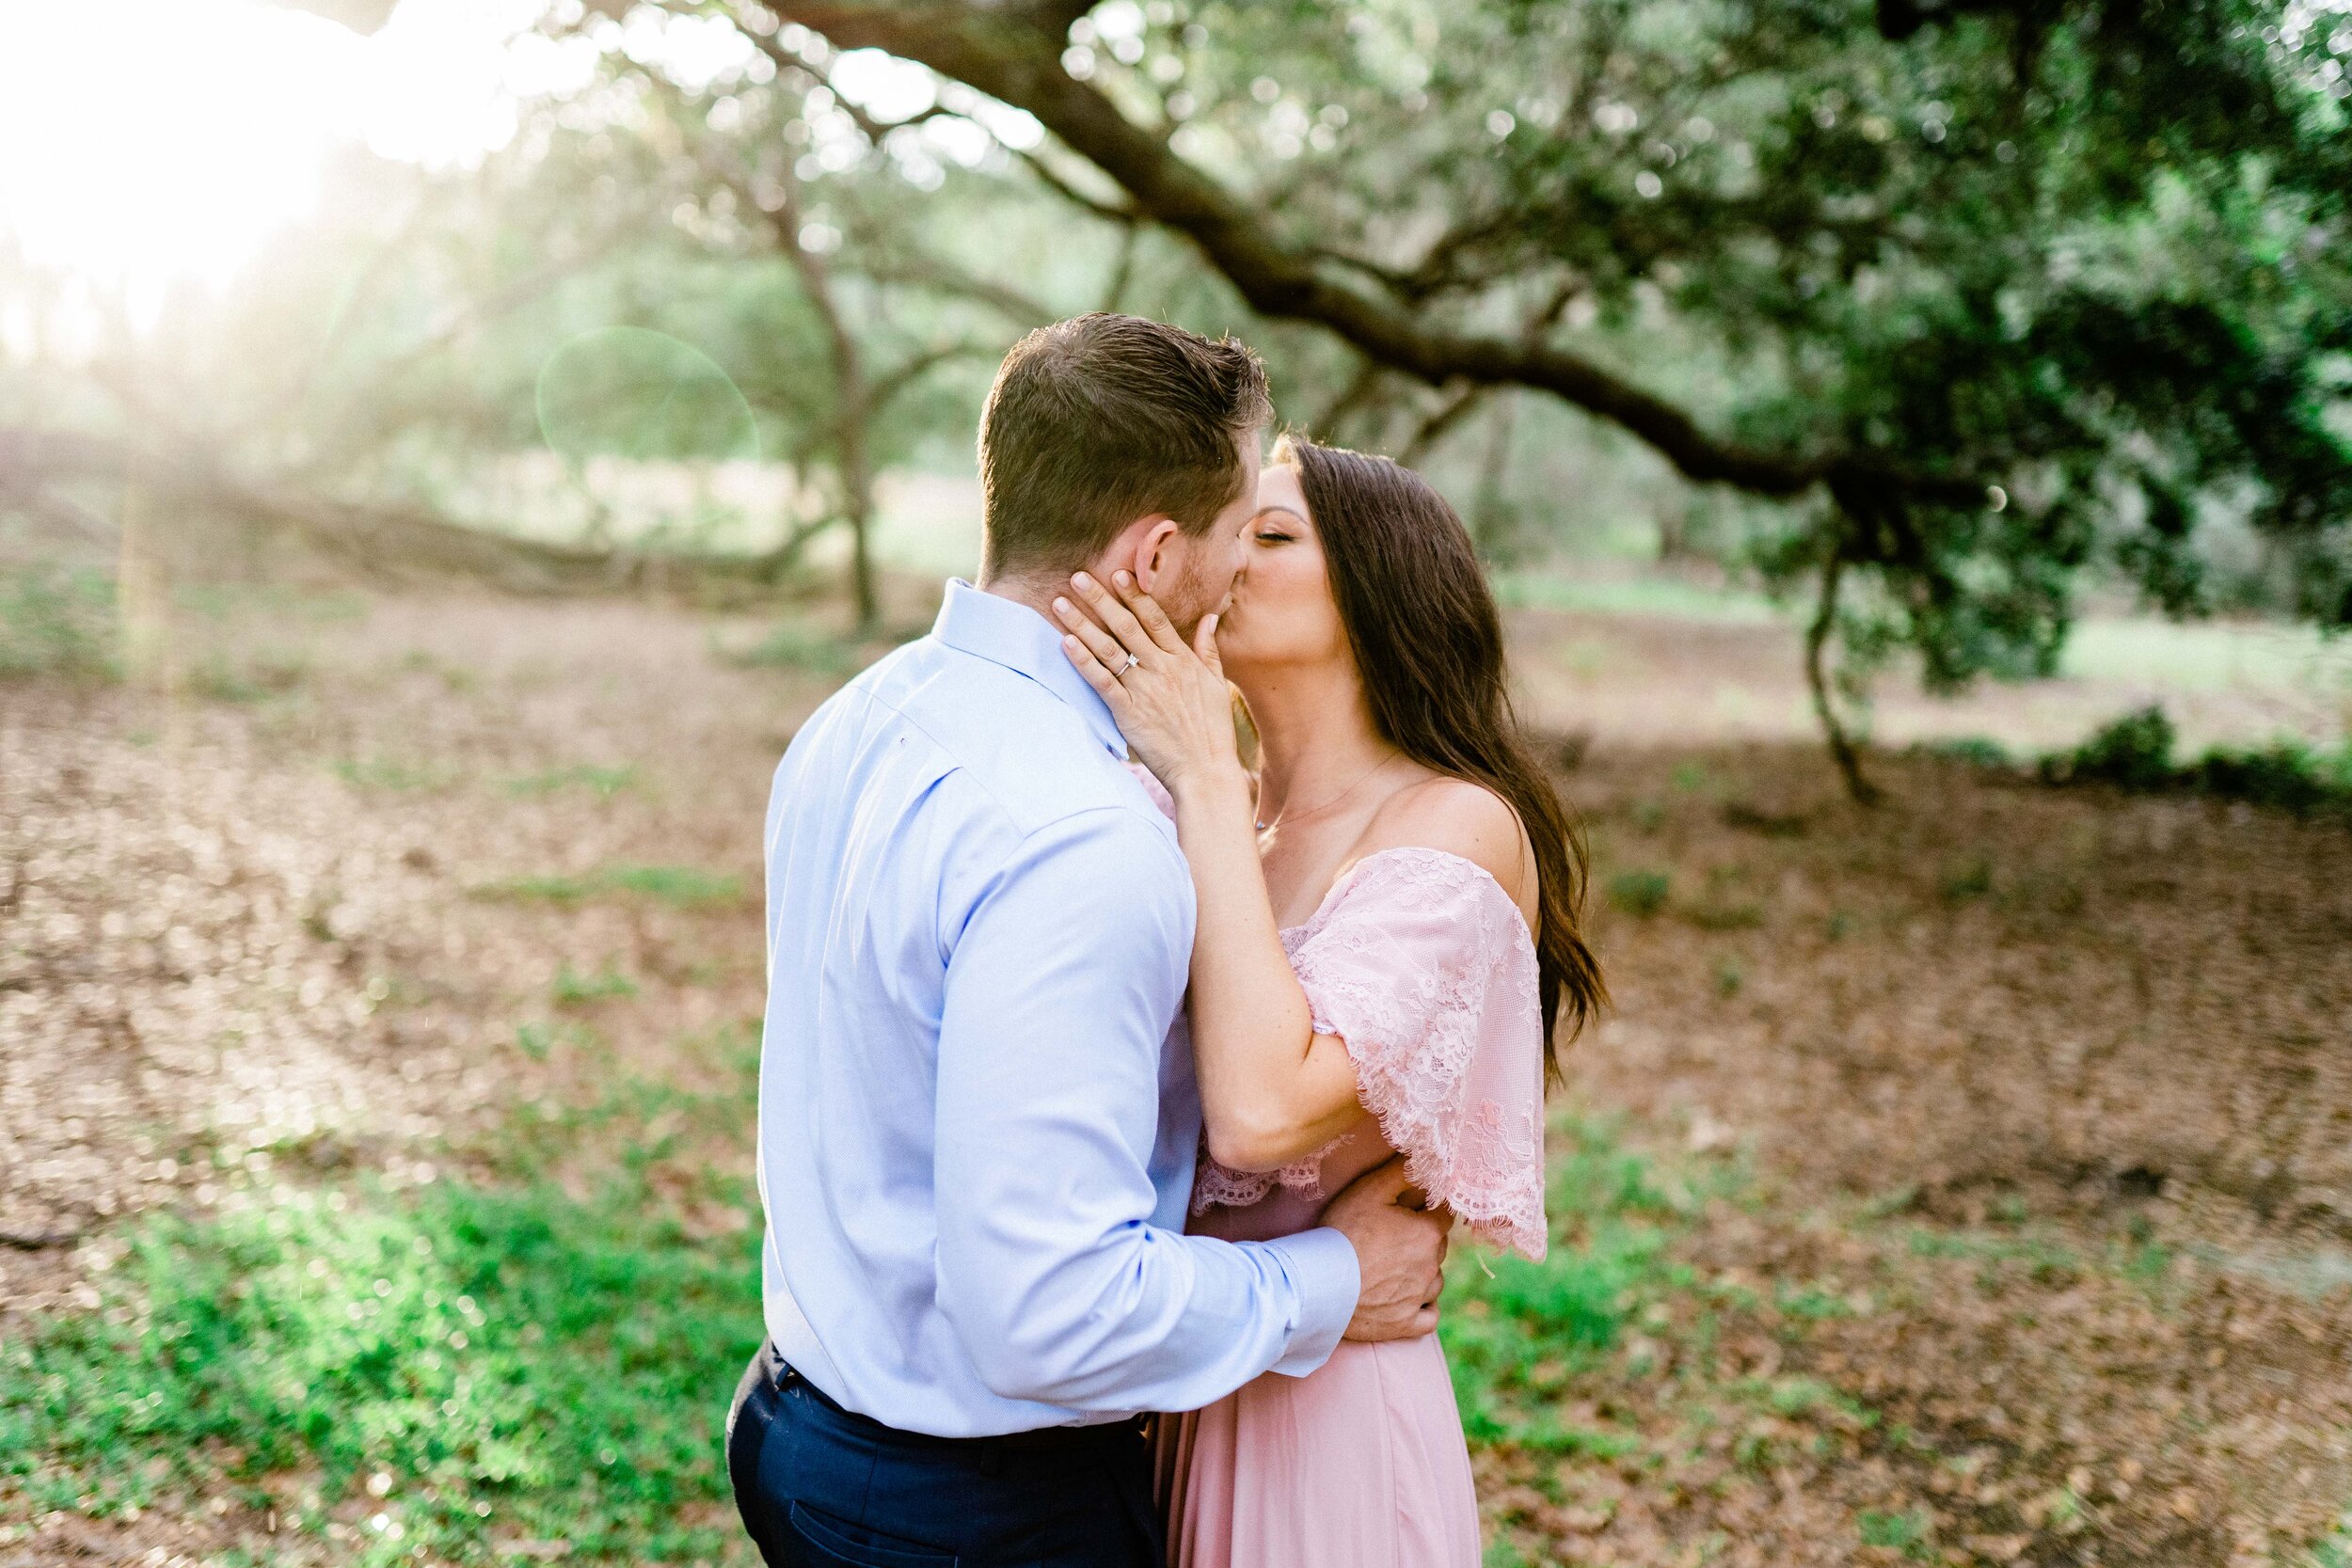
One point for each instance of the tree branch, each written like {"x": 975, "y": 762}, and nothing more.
{"x": 922, "y": 271}
{"x": 1467, "y": 399}
{"x": 1053, "y": 181}
{"x": 896, "y": 380}
{"x": 1123, "y": 270}
{"x": 1450, "y": 413}
{"x": 1011, "y": 56}
{"x": 1358, "y": 391}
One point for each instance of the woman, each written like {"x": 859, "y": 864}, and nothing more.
{"x": 1387, "y": 948}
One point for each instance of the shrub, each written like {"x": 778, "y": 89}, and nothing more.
{"x": 2133, "y": 752}
{"x": 2288, "y": 776}
{"x": 1976, "y": 751}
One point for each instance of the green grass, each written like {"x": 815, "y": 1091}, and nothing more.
{"x": 439, "y": 1373}
{"x": 1512, "y": 1330}
{"x": 256, "y": 678}
{"x": 573, "y": 989}
{"x": 385, "y": 773}
{"x": 1908, "y": 1532}
{"x": 1791, "y": 1397}
{"x": 1812, "y": 1302}
{"x": 680, "y": 886}
{"x": 2336, "y": 1551}
{"x": 57, "y": 621}
{"x": 2038, "y": 1256}
{"x": 536, "y": 1040}
{"x": 1641, "y": 893}
{"x": 605, "y": 781}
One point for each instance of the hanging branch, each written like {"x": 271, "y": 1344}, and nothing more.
{"x": 1123, "y": 271}
{"x": 1451, "y": 412}
{"x": 1351, "y": 400}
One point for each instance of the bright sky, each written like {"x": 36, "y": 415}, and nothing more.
{"x": 144, "y": 142}
{"x": 148, "y": 143}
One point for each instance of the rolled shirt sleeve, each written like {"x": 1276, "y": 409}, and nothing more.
{"x": 1063, "y": 972}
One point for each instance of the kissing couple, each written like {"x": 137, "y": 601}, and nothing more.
{"x": 1101, "y": 1076}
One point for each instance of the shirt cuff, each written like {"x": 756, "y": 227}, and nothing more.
{"x": 1322, "y": 1269}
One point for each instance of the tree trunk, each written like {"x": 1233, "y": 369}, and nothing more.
{"x": 1491, "y": 512}
{"x": 1817, "y": 635}
{"x": 143, "y": 598}
{"x": 1674, "y": 528}
{"x": 855, "y": 402}
{"x": 857, "y": 489}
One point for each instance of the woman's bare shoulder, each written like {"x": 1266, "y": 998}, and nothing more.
{"x": 1460, "y": 818}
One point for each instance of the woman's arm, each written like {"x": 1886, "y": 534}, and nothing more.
{"x": 1271, "y": 1090}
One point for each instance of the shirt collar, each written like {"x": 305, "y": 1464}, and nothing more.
{"x": 1005, "y": 631}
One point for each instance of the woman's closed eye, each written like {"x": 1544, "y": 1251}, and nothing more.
{"x": 1269, "y": 528}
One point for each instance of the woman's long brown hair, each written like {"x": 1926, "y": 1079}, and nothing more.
{"x": 1428, "y": 643}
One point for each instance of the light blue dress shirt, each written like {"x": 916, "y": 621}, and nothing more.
{"x": 977, "y": 1116}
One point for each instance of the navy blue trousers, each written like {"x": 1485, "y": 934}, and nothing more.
{"x": 822, "y": 1487}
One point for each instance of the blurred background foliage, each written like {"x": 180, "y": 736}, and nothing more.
{"x": 1960, "y": 1182}
{"x": 1933, "y": 317}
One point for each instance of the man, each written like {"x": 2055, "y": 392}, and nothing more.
{"x": 977, "y": 1120}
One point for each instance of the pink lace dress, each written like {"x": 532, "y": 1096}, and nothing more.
{"x": 1421, "y": 963}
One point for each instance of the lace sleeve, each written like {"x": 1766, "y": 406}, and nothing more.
{"x": 1422, "y": 965}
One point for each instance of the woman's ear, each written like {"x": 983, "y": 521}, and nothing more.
{"x": 1158, "y": 559}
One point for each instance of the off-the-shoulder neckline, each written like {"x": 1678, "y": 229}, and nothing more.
{"x": 1339, "y": 883}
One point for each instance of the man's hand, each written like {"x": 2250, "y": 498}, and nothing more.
{"x": 1400, "y": 1253}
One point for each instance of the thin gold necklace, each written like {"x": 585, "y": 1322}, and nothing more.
{"x": 1361, "y": 779}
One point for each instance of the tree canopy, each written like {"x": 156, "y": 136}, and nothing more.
{"x": 1987, "y": 293}
{"x": 1963, "y": 306}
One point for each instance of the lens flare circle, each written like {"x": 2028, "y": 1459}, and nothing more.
{"x": 634, "y": 393}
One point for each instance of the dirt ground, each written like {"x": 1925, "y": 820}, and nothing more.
{"x": 2056, "y": 1085}
{"x": 1975, "y": 1041}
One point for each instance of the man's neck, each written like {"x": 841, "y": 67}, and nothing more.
{"x": 1038, "y": 592}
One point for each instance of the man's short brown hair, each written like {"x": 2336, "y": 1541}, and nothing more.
{"x": 1101, "y": 419}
